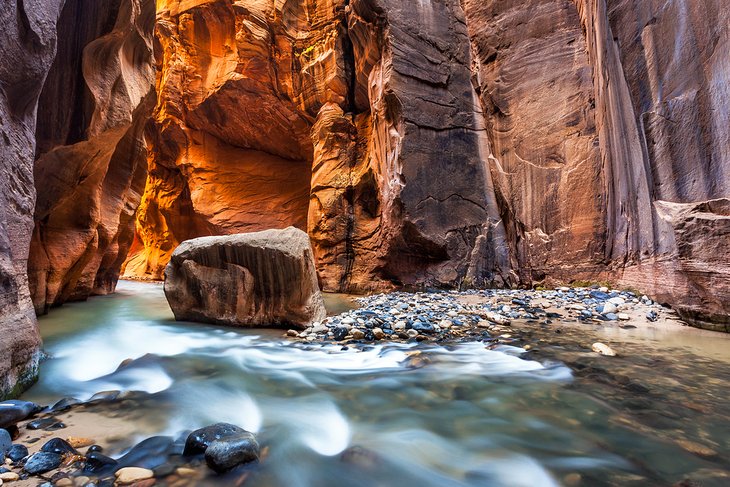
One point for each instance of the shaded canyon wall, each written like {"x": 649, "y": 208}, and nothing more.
{"x": 27, "y": 48}
{"x": 91, "y": 155}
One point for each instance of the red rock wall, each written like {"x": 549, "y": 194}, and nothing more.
{"x": 609, "y": 127}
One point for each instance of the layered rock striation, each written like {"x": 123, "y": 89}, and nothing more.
{"x": 91, "y": 157}
{"x": 27, "y": 48}
{"x": 246, "y": 280}
{"x": 427, "y": 144}
{"x": 349, "y": 120}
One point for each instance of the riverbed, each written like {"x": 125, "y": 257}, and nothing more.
{"x": 469, "y": 415}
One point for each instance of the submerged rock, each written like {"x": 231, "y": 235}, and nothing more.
{"x": 225, "y": 454}
{"x": 250, "y": 279}
{"x": 603, "y": 349}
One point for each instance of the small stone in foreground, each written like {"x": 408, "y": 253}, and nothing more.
{"x": 226, "y": 454}
{"x": 130, "y": 475}
{"x": 603, "y": 349}
{"x": 42, "y": 462}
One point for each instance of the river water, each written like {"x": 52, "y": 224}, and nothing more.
{"x": 390, "y": 415}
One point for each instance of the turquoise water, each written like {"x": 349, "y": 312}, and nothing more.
{"x": 460, "y": 415}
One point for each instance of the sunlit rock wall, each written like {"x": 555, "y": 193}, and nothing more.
{"x": 91, "y": 156}
{"x": 27, "y": 47}
{"x": 357, "y": 122}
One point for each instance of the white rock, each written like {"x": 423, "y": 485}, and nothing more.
{"x": 399, "y": 325}
{"x": 623, "y": 316}
{"x": 603, "y": 289}
{"x": 320, "y": 329}
{"x": 412, "y": 333}
{"x": 617, "y": 301}
{"x": 578, "y": 307}
{"x": 609, "y": 308}
{"x": 9, "y": 477}
{"x": 378, "y": 333}
{"x": 603, "y": 349}
{"x": 564, "y": 289}
{"x": 445, "y": 324}
{"x": 496, "y": 318}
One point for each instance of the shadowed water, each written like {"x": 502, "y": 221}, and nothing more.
{"x": 461, "y": 415}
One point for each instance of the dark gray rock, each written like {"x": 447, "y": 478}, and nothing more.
{"x": 5, "y": 441}
{"x": 99, "y": 464}
{"x": 14, "y": 411}
{"x": 17, "y": 452}
{"x": 59, "y": 446}
{"x": 225, "y": 454}
{"x": 149, "y": 453}
{"x": 42, "y": 462}
{"x": 199, "y": 440}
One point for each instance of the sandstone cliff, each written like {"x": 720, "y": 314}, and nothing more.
{"x": 27, "y": 47}
{"x": 438, "y": 143}
{"x": 91, "y": 157}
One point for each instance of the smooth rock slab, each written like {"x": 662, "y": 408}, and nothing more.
{"x": 250, "y": 279}
{"x": 226, "y": 454}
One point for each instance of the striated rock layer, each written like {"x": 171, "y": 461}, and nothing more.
{"x": 450, "y": 143}
{"x": 91, "y": 156}
{"x": 250, "y": 279}
{"x": 27, "y": 47}
{"x": 609, "y": 124}
{"x": 347, "y": 119}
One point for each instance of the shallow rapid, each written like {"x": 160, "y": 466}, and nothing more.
{"x": 387, "y": 414}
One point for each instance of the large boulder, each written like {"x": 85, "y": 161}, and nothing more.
{"x": 251, "y": 279}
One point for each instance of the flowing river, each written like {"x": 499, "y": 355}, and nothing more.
{"x": 381, "y": 416}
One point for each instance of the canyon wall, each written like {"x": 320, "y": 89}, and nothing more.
{"x": 357, "y": 122}
{"x": 609, "y": 123}
{"x": 433, "y": 143}
{"x": 91, "y": 155}
{"x": 28, "y": 38}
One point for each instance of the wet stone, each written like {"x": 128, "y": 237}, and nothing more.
{"x": 17, "y": 452}
{"x": 199, "y": 440}
{"x": 59, "y": 446}
{"x": 65, "y": 404}
{"x": 42, "y": 462}
{"x": 98, "y": 464}
{"x": 13, "y": 411}
{"x": 45, "y": 424}
{"x": 225, "y": 454}
{"x": 149, "y": 453}
{"x": 5, "y": 441}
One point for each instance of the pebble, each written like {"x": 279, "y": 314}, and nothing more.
{"x": 412, "y": 333}
{"x": 130, "y": 475}
{"x": 9, "y": 476}
{"x": 292, "y": 333}
{"x": 378, "y": 333}
{"x": 59, "y": 446}
{"x": 64, "y": 482}
{"x": 623, "y": 317}
{"x": 358, "y": 334}
{"x": 603, "y": 349}
{"x": 609, "y": 308}
{"x": 79, "y": 442}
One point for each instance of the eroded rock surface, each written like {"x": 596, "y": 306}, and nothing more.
{"x": 27, "y": 47}
{"x": 609, "y": 129}
{"x": 360, "y": 126}
{"x": 91, "y": 158}
{"x": 256, "y": 279}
